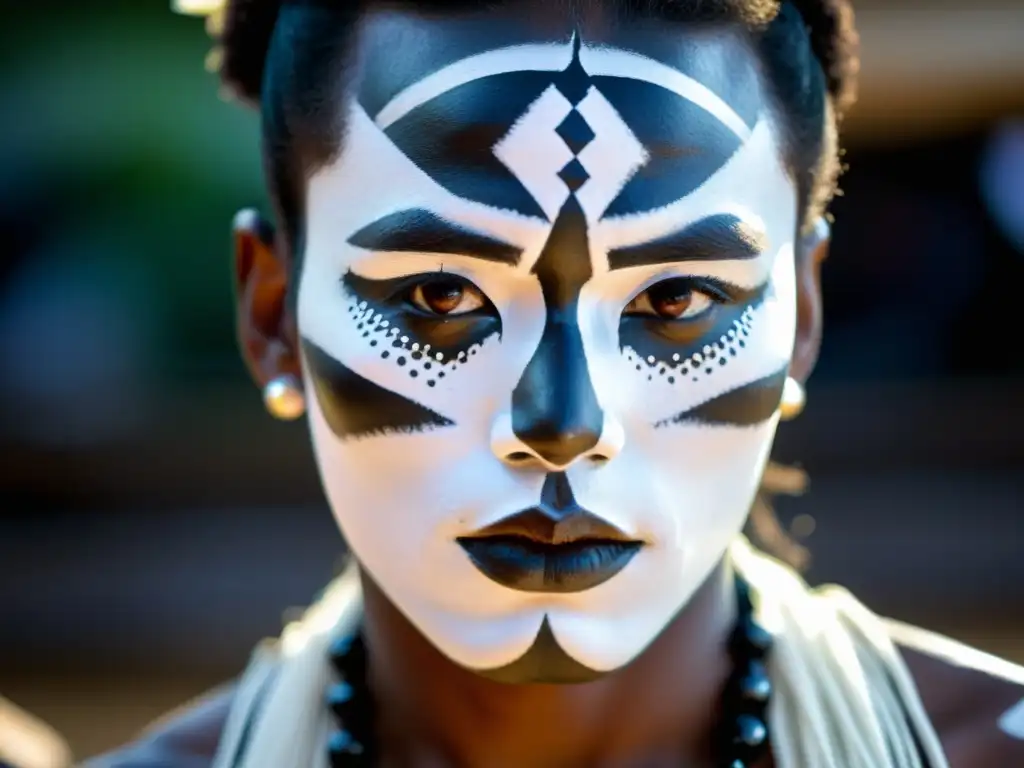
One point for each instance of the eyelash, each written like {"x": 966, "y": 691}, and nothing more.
{"x": 718, "y": 291}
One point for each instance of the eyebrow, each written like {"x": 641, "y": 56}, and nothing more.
{"x": 714, "y": 238}
{"x": 417, "y": 230}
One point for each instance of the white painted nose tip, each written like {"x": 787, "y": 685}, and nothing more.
{"x": 513, "y": 451}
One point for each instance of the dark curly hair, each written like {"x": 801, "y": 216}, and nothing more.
{"x": 287, "y": 58}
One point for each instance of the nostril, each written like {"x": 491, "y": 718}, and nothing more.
{"x": 518, "y": 457}
{"x": 599, "y": 458}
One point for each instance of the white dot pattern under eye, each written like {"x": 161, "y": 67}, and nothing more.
{"x": 412, "y": 358}
{"x": 698, "y": 365}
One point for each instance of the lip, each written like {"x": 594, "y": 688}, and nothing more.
{"x": 538, "y": 551}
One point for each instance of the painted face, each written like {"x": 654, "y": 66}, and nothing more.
{"x": 547, "y": 308}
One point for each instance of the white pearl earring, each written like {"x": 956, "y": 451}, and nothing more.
{"x": 284, "y": 398}
{"x": 793, "y": 399}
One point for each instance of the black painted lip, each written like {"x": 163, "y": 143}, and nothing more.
{"x": 533, "y": 551}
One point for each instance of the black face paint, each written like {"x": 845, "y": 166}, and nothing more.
{"x": 744, "y": 406}
{"x": 452, "y": 138}
{"x": 686, "y": 350}
{"x": 555, "y": 547}
{"x": 421, "y": 231}
{"x": 544, "y": 662}
{"x": 356, "y": 407}
{"x": 725, "y": 69}
{"x": 420, "y": 344}
{"x": 554, "y": 407}
{"x": 415, "y": 49}
{"x": 714, "y": 238}
{"x": 687, "y": 145}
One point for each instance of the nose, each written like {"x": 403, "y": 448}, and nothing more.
{"x": 558, "y": 450}
{"x": 555, "y": 417}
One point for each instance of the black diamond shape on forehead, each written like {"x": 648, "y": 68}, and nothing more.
{"x": 575, "y": 132}
{"x": 574, "y": 175}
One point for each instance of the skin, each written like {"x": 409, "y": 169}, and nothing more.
{"x": 437, "y": 701}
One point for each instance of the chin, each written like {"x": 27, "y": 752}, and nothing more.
{"x": 544, "y": 663}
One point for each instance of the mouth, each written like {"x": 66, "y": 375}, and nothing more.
{"x": 536, "y": 551}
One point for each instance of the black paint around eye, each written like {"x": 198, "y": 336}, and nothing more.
{"x": 687, "y": 349}
{"x": 386, "y": 318}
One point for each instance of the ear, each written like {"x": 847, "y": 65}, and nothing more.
{"x": 812, "y": 250}
{"x": 267, "y": 333}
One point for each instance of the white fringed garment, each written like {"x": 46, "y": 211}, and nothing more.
{"x": 843, "y": 696}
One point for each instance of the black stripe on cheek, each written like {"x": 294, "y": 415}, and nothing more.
{"x": 554, "y": 406}
{"x": 354, "y": 406}
{"x": 744, "y": 406}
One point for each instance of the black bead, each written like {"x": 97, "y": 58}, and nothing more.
{"x": 750, "y": 640}
{"x": 749, "y": 732}
{"x": 744, "y": 604}
{"x": 758, "y": 638}
{"x": 340, "y": 698}
{"x": 341, "y": 647}
{"x": 755, "y": 687}
{"x": 341, "y": 745}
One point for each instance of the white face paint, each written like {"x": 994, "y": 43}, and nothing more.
{"x": 415, "y": 430}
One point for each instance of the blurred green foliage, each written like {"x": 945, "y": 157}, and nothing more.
{"x": 117, "y": 154}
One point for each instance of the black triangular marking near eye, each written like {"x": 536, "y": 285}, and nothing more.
{"x": 744, "y": 406}
{"x": 354, "y": 406}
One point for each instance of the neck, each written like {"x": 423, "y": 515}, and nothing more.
{"x": 661, "y": 709}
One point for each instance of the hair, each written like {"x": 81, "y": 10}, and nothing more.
{"x": 288, "y": 58}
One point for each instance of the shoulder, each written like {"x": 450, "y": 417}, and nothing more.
{"x": 186, "y": 738}
{"x": 974, "y": 700}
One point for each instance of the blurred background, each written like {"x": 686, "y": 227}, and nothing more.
{"x": 156, "y": 523}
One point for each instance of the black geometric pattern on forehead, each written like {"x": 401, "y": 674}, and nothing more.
{"x": 574, "y": 83}
{"x": 687, "y": 144}
{"x": 452, "y": 137}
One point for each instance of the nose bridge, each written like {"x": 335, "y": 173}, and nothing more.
{"x": 555, "y": 411}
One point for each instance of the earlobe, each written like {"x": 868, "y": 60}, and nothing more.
{"x": 812, "y": 250}
{"x": 266, "y": 328}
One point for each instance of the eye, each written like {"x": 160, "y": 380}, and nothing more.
{"x": 675, "y": 299}
{"x": 447, "y": 295}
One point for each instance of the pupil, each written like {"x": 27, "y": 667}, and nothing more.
{"x": 671, "y": 301}
{"x": 442, "y": 297}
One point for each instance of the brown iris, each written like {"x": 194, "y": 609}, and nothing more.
{"x": 670, "y": 299}
{"x": 447, "y": 296}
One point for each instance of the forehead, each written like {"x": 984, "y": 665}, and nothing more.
{"x": 634, "y": 115}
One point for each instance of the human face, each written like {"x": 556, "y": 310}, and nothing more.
{"x": 547, "y": 307}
